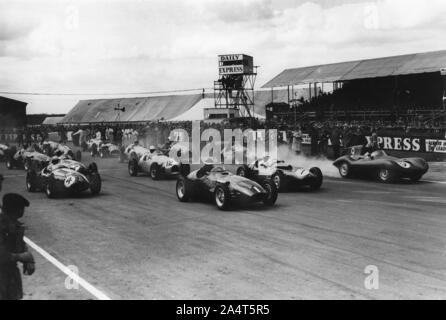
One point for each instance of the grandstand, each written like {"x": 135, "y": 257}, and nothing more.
{"x": 407, "y": 89}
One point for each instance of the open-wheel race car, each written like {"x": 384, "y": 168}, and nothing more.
{"x": 64, "y": 177}
{"x": 102, "y": 149}
{"x": 156, "y": 164}
{"x": 26, "y": 159}
{"x": 284, "y": 175}
{"x": 51, "y": 149}
{"x": 216, "y": 184}
{"x": 4, "y": 151}
{"x": 379, "y": 165}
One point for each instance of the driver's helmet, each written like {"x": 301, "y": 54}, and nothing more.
{"x": 152, "y": 149}
{"x": 55, "y": 160}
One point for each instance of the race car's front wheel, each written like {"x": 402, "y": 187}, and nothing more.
{"x": 344, "y": 170}
{"x": 31, "y": 181}
{"x": 278, "y": 180}
{"x": 222, "y": 197}
{"x": 9, "y": 165}
{"x": 78, "y": 155}
{"x": 95, "y": 184}
{"x": 386, "y": 176}
{"x": 183, "y": 190}
{"x": 318, "y": 179}
{"x": 50, "y": 189}
{"x": 272, "y": 192}
{"x": 155, "y": 172}
{"x": 133, "y": 168}
{"x": 27, "y": 165}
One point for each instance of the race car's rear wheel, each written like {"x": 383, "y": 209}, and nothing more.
{"x": 272, "y": 192}
{"x": 133, "y": 167}
{"x": 385, "y": 175}
{"x": 95, "y": 184}
{"x": 93, "y": 167}
{"x": 78, "y": 156}
{"x": 344, "y": 170}
{"x": 183, "y": 189}
{"x": 222, "y": 197}
{"x": 31, "y": 181}
{"x": 316, "y": 183}
{"x": 155, "y": 172}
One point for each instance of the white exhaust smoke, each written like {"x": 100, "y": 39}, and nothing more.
{"x": 284, "y": 153}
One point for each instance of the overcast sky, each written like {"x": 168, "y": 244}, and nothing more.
{"x": 139, "y": 46}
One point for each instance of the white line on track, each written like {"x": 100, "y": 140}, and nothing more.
{"x": 83, "y": 283}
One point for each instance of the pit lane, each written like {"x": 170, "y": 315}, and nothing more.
{"x": 136, "y": 241}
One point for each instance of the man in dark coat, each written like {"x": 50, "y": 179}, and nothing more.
{"x": 13, "y": 248}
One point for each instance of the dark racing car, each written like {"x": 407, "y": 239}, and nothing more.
{"x": 216, "y": 184}
{"x": 64, "y": 177}
{"x": 26, "y": 159}
{"x": 284, "y": 175}
{"x": 379, "y": 165}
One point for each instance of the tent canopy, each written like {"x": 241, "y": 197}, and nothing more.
{"x": 417, "y": 63}
{"x": 52, "y": 120}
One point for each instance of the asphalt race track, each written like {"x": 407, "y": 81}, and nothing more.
{"x": 137, "y": 241}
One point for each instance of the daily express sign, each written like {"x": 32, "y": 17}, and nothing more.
{"x": 230, "y": 69}
{"x": 403, "y": 144}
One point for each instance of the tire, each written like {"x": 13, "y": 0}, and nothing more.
{"x": 155, "y": 172}
{"x": 102, "y": 154}
{"x": 386, "y": 176}
{"x": 78, "y": 156}
{"x": 28, "y": 164}
{"x": 133, "y": 168}
{"x": 94, "y": 150}
{"x": 222, "y": 197}
{"x": 316, "y": 184}
{"x": 93, "y": 167}
{"x": 133, "y": 155}
{"x": 416, "y": 178}
{"x": 31, "y": 181}
{"x": 273, "y": 193}
{"x": 243, "y": 172}
{"x": 183, "y": 189}
{"x": 279, "y": 180}
{"x": 9, "y": 164}
{"x": 344, "y": 170}
{"x": 50, "y": 190}
{"x": 95, "y": 183}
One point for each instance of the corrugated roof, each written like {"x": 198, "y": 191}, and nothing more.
{"x": 372, "y": 68}
{"x": 137, "y": 109}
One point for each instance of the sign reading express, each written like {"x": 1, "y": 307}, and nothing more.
{"x": 230, "y": 64}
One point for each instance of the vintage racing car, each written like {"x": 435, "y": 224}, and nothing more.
{"x": 4, "y": 151}
{"x": 103, "y": 149}
{"x": 51, "y": 149}
{"x": 379, "y": 165}
{"x": 64, "y": 177}
{"x": 26, "y": 159}
{"x": 156, "y": 164}
{"x": 217, "y": 184}
{"x": 284, "y": 175}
